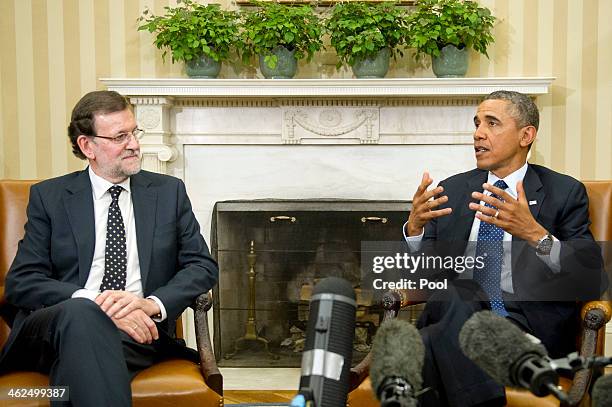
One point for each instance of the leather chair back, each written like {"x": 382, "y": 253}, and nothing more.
{"x": 600, "y": 209}
{"x": 14, "y": 197}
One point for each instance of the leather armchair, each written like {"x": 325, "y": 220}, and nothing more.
{"x": 173, "y": 382}
{"x": 590, "y": 339}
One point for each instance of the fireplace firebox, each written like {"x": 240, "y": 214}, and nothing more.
{"x": 271, "y": 253}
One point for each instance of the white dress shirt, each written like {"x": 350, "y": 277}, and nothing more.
{"x": 102, "y": 200}
{"x": 552, "y": 260}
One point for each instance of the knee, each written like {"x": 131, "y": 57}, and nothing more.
{"x": 83, "y": 312}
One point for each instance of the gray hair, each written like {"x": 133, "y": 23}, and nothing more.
{"x": 522, "y": 108}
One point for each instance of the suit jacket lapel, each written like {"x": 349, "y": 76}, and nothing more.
{"x": 144, "y": 201}
{"x": 78, "y": 201}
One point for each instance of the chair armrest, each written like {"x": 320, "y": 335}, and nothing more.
{"x": 594, "y": 316}
{"x": 208, "y": 364}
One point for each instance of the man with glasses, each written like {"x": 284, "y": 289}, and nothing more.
{"x": 111, "y": 257}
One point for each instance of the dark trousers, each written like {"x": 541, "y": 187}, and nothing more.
{"x": 455, "y": 380}
{"x": 79, "y": 346}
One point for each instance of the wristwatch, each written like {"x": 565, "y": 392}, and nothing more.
{"x": 544, "y": 245}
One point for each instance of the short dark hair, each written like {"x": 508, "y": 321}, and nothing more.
{"x": 82, "y": 120}
{"x": 523, "y": 108}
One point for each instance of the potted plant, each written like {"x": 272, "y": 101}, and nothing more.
{"x": 365, "y": 35}
{"x": 280, "y": 35}
{"x": 446, "y": 29}
{"x": 200, "y": 35}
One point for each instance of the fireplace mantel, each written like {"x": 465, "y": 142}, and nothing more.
{"x": 325, "y": 88}
{"x": 398, "y": 111}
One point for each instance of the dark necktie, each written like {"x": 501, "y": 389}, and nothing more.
{"x": 490, "y": 248}
{"x": 115, "y": 254}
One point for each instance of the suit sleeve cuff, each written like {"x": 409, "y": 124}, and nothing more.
{"x": 85, "y": 293}
{"x": 163, "y": 313}
{"x": 414, "y": 242}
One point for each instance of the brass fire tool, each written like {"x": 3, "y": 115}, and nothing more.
{"x": 251, "y": 325}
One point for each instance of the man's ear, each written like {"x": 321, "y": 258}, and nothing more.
{"x": 84, "y": 144}
{"x": 528, "y": 135}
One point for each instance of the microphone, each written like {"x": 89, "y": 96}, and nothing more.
{"x": 398, "y": 356}
{"x": 328, "y": 349}
{"x": 508, "y": 355}
{"x": 602, "y": 392}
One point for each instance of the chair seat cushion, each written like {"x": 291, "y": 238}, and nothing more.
{"x": 363, "y": 396}
{"x": 524, "y": 398}
{"x": 16, "y": 380}
{"x": 172, "y": 382}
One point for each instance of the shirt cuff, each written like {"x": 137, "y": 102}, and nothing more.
{"x": 414, "y": 242}
{"x": 161, "y": 307}
{"x": 553, "y": 259}
{"x": 85, "y": 293}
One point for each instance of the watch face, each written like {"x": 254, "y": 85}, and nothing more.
{"x": 544, "y": 246}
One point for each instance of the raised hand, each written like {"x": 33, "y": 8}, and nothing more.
{"x": 424, "y": 206}
{"x": 512, "y": 215}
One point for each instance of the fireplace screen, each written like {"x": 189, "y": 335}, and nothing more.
{"x": 271, "y": 253}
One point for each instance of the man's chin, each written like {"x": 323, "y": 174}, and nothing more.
{"x": 481, "y": 165}
{"x": 133, "y": 170}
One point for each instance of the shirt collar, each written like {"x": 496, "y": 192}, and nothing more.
{"x": 100, "y": 186}
{"x": 511, "y": 180}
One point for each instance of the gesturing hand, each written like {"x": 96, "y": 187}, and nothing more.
{"x": 423, "y": 206}
{"x": 118, "y": 304}
{"x": 512, "y": 215}
{"x": 138, "y": 325}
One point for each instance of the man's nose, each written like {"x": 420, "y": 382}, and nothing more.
{"x": 479, "y": 133}
{"x": 133, "y": 143}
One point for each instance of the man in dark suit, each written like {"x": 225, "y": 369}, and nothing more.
{"x": 534, "y": 215}
{"x": 111, "y": 257}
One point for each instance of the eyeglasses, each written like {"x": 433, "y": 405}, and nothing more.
{"x": 124, "y": 137}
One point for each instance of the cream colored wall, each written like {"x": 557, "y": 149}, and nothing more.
{"x": 54, "y": 51}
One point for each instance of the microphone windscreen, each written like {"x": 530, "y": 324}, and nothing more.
{"x": 397, "y": 351}
{"x": 602, "y": 391}
{"x": 495, "y": 344}
{"x": 334, "y": 285}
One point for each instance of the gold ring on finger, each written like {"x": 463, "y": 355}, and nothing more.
{"x": 496, "y": 214}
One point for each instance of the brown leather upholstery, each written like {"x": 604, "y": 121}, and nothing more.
{"x": 169, "y": 383}
{"x": 590, "y": 339}
{"x": 362, "y": 396}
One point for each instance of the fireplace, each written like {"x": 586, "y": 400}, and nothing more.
{"x": 271, "y": 253}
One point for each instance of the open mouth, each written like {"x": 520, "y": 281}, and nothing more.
{"x": 479, "y": 150}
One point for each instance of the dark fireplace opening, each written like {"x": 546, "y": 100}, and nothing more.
{"x": 271, "y": 253}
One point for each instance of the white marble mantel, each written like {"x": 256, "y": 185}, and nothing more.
{"x": 413, "y": 111}
{"x": 392, "y": 87}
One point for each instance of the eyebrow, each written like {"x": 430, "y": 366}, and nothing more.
{"x": 126, "y": 131}
{"x": 487, "y": 117}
